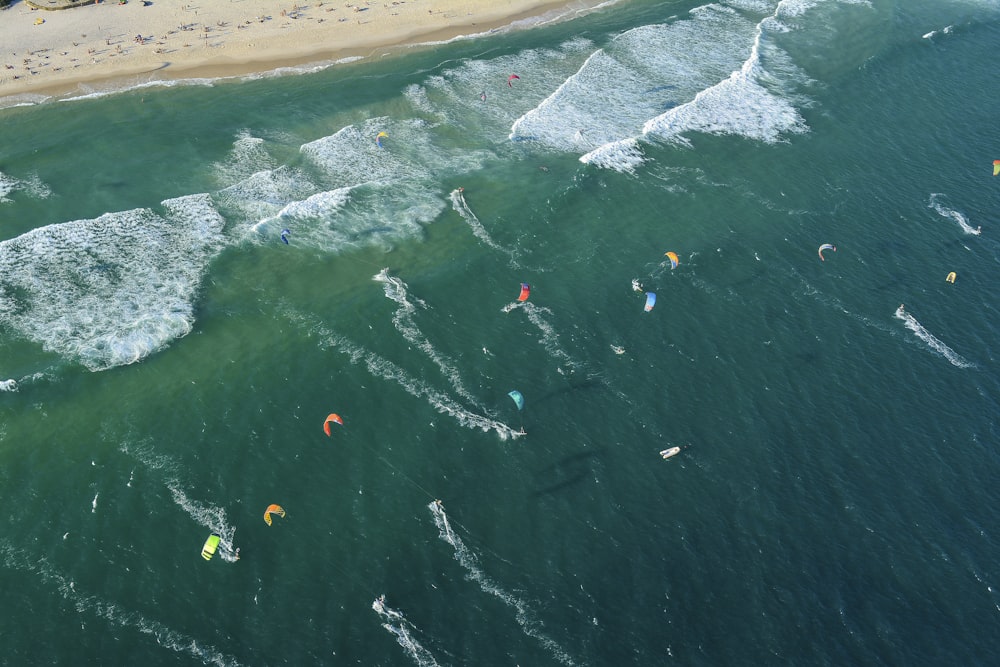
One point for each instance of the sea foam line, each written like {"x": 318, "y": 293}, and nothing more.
{"x": 17, "y": 559}
{"x": 397, "y": 624}
{"x": 936, "y": 345}
{"x": 468, "y": 560}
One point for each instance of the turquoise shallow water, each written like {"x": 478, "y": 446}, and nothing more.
{"x": 167, "y": 362}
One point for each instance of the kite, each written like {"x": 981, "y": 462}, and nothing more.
{"x": 378, "y": 138}
{"x": 284, "y": 235}
{"x": 332, "y": 417}
{"x": 211, "y": 544}
{"x": 518, "y": 399}
{"x": 996, "y": 167}
{"x": 826, "y": 246}
{"x": 277, "y": 509}
{"x": 525, "y": 292}
{"x": 673, "y": 259}
{"x": 650, "y": 301}
{"x": 511, "y": 78}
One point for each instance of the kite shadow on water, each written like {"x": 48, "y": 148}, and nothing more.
{"x": 566, "y": 472}
{"x": 588, "y": 383}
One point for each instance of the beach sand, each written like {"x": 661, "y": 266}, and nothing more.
{"x": 110, "y": 45}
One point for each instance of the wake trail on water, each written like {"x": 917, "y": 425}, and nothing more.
{"x": 549, "y": 338}
{"x": 933, "y": 343}
{"x": 403, "y": 320}
{"x": 462, "y": 208}
{"x": 470, "y": 563}
{"x": 17, "y": 559}
{"x": 403, "y": 630}
{"x": 384, "y": 369}
{"x": 208, "y": 515}
{"x": 936, "y": 204}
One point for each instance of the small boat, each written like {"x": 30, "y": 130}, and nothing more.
{"x": 673, "y": 451}
{"x": 211, "y": 544}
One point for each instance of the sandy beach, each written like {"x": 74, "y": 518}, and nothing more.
{"x": 108, "y": 44}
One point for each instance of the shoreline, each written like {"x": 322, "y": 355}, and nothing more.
{"x": 109, "y": 47}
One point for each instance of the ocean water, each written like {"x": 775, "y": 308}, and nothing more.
{"x": 167, "y": 362}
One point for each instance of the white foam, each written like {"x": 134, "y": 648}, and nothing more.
{"x": 639, "y": 74}
{"x": 263, "y": 194}
{"x": 624, "y": 155}
{"x": 942, "y": 210}
{"x": 247, "y": 157}
{"x": 404, "y": 631}
{"x": 945, "y": 31}
{"x": 454, "y": 95}
{"x": 933, "y": 343}
{"x": 749, "y": 102}
{"x": 112, "y": 290}
{"x": 32, "y": 186}
{"x": 716, "y": 79}
{"x": 470, "y": 563}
